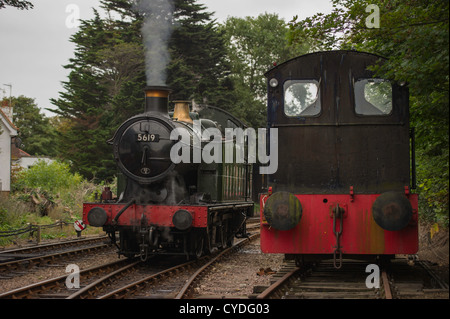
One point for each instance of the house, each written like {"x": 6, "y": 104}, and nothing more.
{"x": 8, "y": 132}
{"x": 21, "y": 159}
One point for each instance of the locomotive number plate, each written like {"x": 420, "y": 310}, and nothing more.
{"x": 147, "y": 137}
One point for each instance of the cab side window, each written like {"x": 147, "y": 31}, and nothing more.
{"x": 302, "y": 98}
{"x": 373, "y": 97}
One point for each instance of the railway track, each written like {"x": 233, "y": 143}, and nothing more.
{"x": 25, "y": 259}
{"x": 415, "y": 282}
{"x": 173, "y": 278}
{"x": 397, "y": 281}
{"x": 26, "y": 252}
{"x": 176, "y": 282}
{"x": 115, "y": 280}
{"x": 188, "y": 290}
{"x": 57, "y": 288}
{"x": 320, "y": 282}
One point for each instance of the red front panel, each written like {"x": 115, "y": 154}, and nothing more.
{"x": 155, "y": 215}
{"x": 360, "y": 233}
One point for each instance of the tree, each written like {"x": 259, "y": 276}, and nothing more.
{"x": 254, "y": 44}
{"x": 20, "y": 4}
{"x": 414, "y": 36}
{"x": 88, "y": 104}
{"x": 107, "y": 77}
{"x": 37, "y": 135}
{"x": 198, "y": 68}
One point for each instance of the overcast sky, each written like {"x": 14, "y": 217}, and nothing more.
{"x": 35, "y": 43}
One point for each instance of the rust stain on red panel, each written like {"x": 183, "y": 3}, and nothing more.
{"x": 361, "y": 234}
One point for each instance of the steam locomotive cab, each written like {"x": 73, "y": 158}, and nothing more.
{"x": 167, "y": 206}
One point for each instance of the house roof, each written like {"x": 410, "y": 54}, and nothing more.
{"x": 8, "y": 124}
{"x": 17, "y": 153}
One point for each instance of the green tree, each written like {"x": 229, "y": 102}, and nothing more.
{"x": 198, "y": 68}
{"x": 19, "y": 4}
{"x": 254, "y": 44}
{"x": 90, "y": 91}
{"x": 107, "y": 77}
{"x": 37, "y": 134}
{"x": 414, "y": 36}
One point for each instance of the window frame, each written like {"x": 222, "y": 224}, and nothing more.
{"x": 357, "y": 100}
{"x": 317, "y": 101}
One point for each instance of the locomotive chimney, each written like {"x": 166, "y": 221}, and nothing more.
{"x": 157, "y": 99}
{"x": 181, "y": 112}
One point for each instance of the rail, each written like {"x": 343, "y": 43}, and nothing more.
{"x": 28, "y": 263}
{"x": 33, "y": 290}
{"x": 188, "y": 288}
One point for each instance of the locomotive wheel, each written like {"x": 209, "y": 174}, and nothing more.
{"x": 207, "y": 244}
{"x": 223, "y": 235}
{"x": 199, "y": 246}
{"x": 228, "y": 236}
{"x": 230, "y": 241}
{"x": 128, "y": 244}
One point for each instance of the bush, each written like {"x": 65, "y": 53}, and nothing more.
{"x": 50, "y": 178}
{"x": 50, "y": 187}
{"x": 44, "y": 194}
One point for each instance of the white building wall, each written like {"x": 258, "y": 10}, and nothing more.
{"x": 27, "y": 162}
{"x": 5, "y": 159}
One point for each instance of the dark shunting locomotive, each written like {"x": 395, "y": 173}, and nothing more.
{"x": 168, "y": 208}
{"x": 343, "y": 185}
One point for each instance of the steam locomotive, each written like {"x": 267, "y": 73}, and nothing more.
{"x": 168, "y": 206}
{"x": 346, "y": 174}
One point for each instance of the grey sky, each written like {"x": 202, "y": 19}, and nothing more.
{"x": 35, "y": 43}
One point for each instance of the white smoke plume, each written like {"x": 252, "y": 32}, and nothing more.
{"x": 156, "y": 32}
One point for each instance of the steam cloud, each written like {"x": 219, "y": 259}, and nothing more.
{"x": 156, "y": 31}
